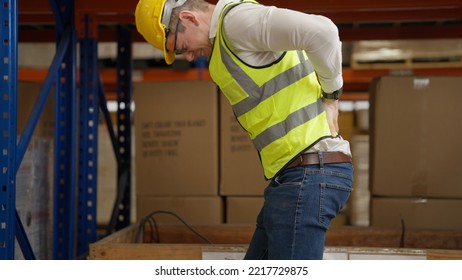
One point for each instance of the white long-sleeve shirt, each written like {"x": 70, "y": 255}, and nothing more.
{"x": 260, "y": 34}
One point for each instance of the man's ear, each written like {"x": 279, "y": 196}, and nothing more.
{"x": 188, "y": 16}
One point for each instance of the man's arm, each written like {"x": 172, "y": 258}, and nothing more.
{"x": 279, "y": 30}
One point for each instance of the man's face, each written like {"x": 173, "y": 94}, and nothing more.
{"x": 190, "y": 38}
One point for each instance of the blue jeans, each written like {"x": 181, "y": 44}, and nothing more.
{"x": 299, "y": 205}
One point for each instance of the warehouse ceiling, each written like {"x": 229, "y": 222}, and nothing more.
{"x": 356, "y": 19}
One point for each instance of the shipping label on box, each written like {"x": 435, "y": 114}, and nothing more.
{"x": 176, "y": 132}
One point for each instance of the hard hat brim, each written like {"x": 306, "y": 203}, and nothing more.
{"x": 169, "y": 56}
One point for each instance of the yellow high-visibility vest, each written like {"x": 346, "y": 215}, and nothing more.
{"x": 279, "y": 105}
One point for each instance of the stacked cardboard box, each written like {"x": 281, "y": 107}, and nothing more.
{"x": 415, "y": 152}
{"x": 176, "y": 158}
{"x": 347, "y": 124}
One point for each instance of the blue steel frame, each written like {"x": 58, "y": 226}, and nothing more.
{"x": 65, "y": 136}
{"x": 88, "y": 142}
{"x": 121, "y": 212}
{"x": 10, "y": 223}
{"x": 12, "y": 155}
{"x": 62, "y": 76}
{"x": 8, "y": 126}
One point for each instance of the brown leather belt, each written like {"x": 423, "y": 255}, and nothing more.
{"x": 313, "y": 158}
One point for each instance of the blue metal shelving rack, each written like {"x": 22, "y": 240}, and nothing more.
{"x": 76, "y": 134}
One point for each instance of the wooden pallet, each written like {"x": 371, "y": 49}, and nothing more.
{"x": 177, "y": 242}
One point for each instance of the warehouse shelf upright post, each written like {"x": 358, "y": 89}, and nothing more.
{"x": 65, "y": 152}
{"x": 11, "y": 153}
{"x": 8, "y": 121}
{"x": 120, "y": 217}
{"x": 88, "y": 136}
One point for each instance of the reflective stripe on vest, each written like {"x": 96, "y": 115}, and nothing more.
{"x": 279, "y": 105}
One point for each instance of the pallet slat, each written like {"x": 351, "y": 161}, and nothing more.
{"x": 177, "y": 242}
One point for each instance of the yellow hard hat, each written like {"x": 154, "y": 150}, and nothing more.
{"x": 152, "y": 19}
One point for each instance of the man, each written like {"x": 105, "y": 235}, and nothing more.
{"x": 281, "y": 72}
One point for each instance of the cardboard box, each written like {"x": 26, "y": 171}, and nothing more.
{"x": 415, "y": 213}
{"x": 415, "y": 146}
{"x": 241, "y": 173}
{"x": 176, "y": 136}
{"x": 346, "y": 124}
{"x": 207, "y": 210}
{"x": 360, "y": 196}
{"x": 243, "y": 210}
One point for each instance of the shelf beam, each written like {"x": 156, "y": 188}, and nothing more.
{"x": 340, "y": 11}
{"x": 347, "y": 33}
{"x": 128, "y": 6}
{"x": 354, "y": 17}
